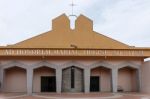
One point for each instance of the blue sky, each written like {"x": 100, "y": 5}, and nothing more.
{"x": 125, "y": 20}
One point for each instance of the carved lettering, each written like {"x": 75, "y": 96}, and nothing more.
{"x": 61, "y": 52}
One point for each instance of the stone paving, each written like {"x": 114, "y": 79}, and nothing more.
{"x": 75, "y": 96}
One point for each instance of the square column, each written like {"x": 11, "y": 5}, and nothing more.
{"x": 29, "y": 81}
{"x": 58, "y": 80}
{"x": 114, "y": 79}
{"x": 138, "y": 78}
{"x": 87, "y": 74}
{"x": 2, "y": 73}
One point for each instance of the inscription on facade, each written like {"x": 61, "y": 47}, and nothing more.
{"x": 69, "y": 52}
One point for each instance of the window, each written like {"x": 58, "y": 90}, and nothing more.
{"x": 72, "y": 77}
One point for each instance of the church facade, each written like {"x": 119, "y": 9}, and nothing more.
{"x": 71, "y": 60}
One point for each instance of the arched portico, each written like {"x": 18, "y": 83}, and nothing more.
{"x": 95, "y": 70}
{"x": 72, "y": 77}
{"x": 44, "y": 79}
{"x": 128, "y": 77}
{"x": 15, "y": 76}
{"x": 39, "y": 69}
{"x": 102, "y": 69}
{"x": 100, "y": 80}
{"x": 11, "y": 73}
{"x": 45, "y": 68}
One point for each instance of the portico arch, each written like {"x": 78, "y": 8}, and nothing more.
{"x": 44, "y": 77}
{"x": 100, "y": 64}
{"x": 43, "y": 63}
{"x": 15, "y": 76}
{"x": 128, "y": 79}
{"x": 128, "y": 64}
{"x": 72, "y": 63}
{"x": 14, "y": 63}
{"x": 72, "y": 77}
{"x": 100, "y": 79}
{"x": 11, "y": 73}
{"x": 101, "y": 73}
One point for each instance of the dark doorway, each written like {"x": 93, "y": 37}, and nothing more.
{"x": 94, "y": 84}
{"x": 48, "y": 84}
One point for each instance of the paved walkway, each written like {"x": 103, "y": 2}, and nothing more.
{"x": 75, "y": 96}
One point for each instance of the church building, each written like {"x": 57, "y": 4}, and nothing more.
{"x": 71, "y": 60}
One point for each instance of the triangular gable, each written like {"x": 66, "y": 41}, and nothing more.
{"x": 61, "y": 36}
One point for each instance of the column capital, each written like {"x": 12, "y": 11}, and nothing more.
{"x": 115, "y": 69}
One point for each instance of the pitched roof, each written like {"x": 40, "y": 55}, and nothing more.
{"x": 62, "y": 36}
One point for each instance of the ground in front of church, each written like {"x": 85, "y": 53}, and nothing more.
{"x": 75, "y": 96}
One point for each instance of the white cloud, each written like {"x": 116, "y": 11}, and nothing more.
{"x": 127, "y": 21}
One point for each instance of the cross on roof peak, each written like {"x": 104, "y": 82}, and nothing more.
{"x": 72, "y": 11}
